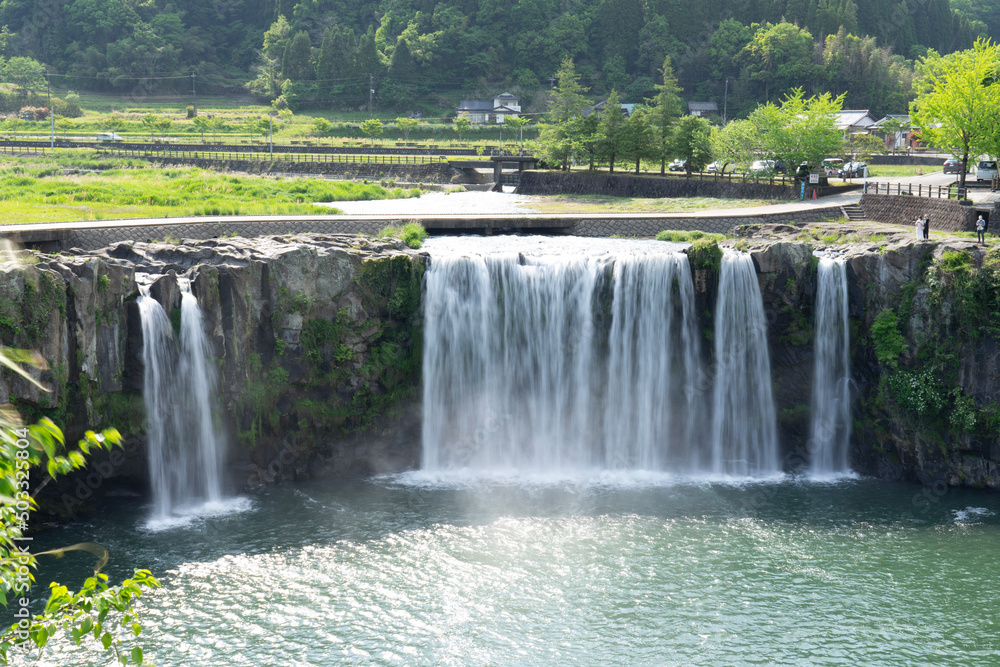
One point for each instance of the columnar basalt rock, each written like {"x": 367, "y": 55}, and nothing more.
{"x": 315, "y": 337}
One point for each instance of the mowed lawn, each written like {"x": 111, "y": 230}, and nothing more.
{"x": 49, "y": 194}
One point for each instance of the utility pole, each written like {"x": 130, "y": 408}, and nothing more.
{"x": 270, "y": 132}
{"x": 194, "y": 95}
{"x": 725, "y": 102}
{"x": 371, "y": 96}
{"x": 52, "y": 116}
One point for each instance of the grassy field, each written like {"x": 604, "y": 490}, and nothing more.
{"x": 604, "y": 204}
{"x": 900, "y": 170}
{"x": 49, "y": 194}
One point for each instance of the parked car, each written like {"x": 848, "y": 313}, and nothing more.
{"x": 718, "y": 168}
{"x": 779, "y": 167}
{"x": 986, "y": 170}
{"x": 854, "y": 170}
{"x": 953, "y": 166}
{"x": 833, "y": 165}
{"x": 677, "y": 165}
{"x": 761, "y": 168}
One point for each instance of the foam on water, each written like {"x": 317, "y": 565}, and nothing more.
{"x": 187, "y": 515}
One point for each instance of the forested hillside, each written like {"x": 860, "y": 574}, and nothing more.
{"x": 423, "y": 53}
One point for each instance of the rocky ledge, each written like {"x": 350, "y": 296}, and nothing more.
{"x": 316, "y": 337}
{"x": 925, "y": 324}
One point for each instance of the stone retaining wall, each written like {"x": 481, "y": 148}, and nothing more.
{"x": 945, "y": 214}
{"x": 652, "y": 226}
{"x": 624, "y": 185}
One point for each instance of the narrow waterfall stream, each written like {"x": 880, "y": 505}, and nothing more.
{"x": 831, "y": 397}
{"x": 562, "y": 354}
{"x": 744, "y": 428}
{"x": 185, "y": 446}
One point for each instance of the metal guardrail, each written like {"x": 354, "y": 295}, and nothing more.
{"x": 950, "y": 191}
{"x": 263, "y": 155}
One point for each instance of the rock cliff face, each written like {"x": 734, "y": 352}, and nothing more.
{"x": 316, "y": 337}
{"x": 318, "y": 341}
{"x": 924, "y": 353}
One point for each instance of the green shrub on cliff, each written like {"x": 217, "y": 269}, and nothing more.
{"x": 705, "y": 254}
{"x": 919, "y": 391}
{"x": 887, "y": 339}
{"x": 680, "y": 236}
{"x": 412, "y": 234}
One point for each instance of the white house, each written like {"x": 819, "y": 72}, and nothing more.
{"x": 485, "y": 111}
{"x": 852, "y": 121}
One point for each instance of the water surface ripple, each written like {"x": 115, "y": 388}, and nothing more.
{"x": 401, "y": 571}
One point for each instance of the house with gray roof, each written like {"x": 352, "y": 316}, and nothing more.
{"x": 703, "y": 109}
{"x": 485, "y": 111}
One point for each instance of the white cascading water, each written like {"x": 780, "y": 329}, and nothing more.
{"x": 185, "y": 448}
{"x": 831, "y": 397}
{"x": 559, "y": 355}
{"x": 744, "y": 429}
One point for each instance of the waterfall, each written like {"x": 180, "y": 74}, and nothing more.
{"x": 831, "y": 399}
{"x": 541, "y": 360}
{"x": 185, "y": 448}
{"x": 744, "y": 432}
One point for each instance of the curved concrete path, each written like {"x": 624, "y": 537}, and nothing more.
{"x": 391, "y": 210}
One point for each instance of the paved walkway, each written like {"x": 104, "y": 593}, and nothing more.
{"x": 390, "y": 210}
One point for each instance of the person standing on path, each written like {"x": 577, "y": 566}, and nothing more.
{"x": 918, "y": 227}
{"x": 927, "y": 226}
{"x": 981, "y": 230}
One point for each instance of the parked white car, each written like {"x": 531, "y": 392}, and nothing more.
{"x": 986, "y": 170}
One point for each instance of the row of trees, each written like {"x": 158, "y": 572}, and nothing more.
{"x": 799, "y": 129}
{"x": 574, "y": 128}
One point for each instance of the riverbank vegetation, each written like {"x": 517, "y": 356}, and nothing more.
{"x": 30, "y": 457}
{"x": 49, "y": 193}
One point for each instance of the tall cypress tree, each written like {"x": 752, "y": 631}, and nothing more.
{"x": 665, "y": 110}
{"x": 402, "y": 73}
{"x": 297, "y": 63}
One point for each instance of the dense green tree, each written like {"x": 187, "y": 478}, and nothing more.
{"x": 461, "y": 125}
{"x": 779, "y": 58}
{"x": 958, "y": 102}
{"x": 611, "y": 131}
{"x": 25, "y": 73}
{"x": 402, "y": 74}
{"x": 692, "y": 142}
{"x": 637, "y": 139}
{"x": 736, "y": 143}
{"x": 296, "y": 63}
{"x": 800, "y": 130}
{"x": 372, "y": 128}
{"x": 406, "y": 125}
{"x": 321, "y": 127}
{"x": 870, "y": 76}
{"x": 558, "y": 136}
{"x": 666, "y": 108}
